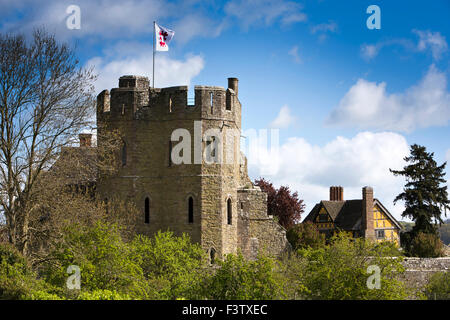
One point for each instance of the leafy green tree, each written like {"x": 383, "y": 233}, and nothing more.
{"x": 425, "y": 193}
{"x": 106, "y": 262}
{"x": 17, "y": 280}
{"x": 239, "y": 279}
{"x": 172, "y": 264}
{"x": 426, "y": 245}
{"x": 438, "y": 287}
{"x": 305, "y": 235}
{"x": 444, "y": 232}
{"x": 339, "y": 271}
{"x": 103, "y": 295}
{"x": 162, "y": 267}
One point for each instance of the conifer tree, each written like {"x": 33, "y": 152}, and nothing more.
{"x": 425, "y": 192}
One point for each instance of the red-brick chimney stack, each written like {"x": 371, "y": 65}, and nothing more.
{"x": 336, "y": 193}
{"x": 367, "y": 223}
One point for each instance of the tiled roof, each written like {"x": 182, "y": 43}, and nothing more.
{"x": 347, "y": 214}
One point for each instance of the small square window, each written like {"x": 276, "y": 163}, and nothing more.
{"x": 380, "y": 234}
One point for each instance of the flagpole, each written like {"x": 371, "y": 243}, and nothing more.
{"x": 154, "y": 35}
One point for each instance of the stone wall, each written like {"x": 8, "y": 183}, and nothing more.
{"x": 259, "y": 233}
{"x": 419, "y": 270}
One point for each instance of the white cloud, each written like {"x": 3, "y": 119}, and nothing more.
{"x": 136, "y": 59}
{"x": 433, "y": 41}
{"x": 352, "y": 163}
{"x": 284, "y": 118}
{"x": 251, "y": 12}
{"x": 294, "y": 53}
{"x": 107, "y": 19}
{"x": 370, "y": 51}
{"x": 116, "y": 19}
{"x": 331, "y": 26}
{"x": 368, "y": 105}
{"x": 197, "y": 25}
{"x": 428, "y": 40}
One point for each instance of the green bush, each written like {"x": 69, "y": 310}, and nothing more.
{"x": 173, "y": 265}
{"x": 106, "y": 262}
{"x": 239, "y": 279}
{"x": 426, "y": 245}
{"x": 17, "y": 280}
{"x": 340, "y": 271}
{"x": 305, "y": 235}
{"x": 102, "y": 295}
{"x": 162, "y": 267}
{"x": 438, "y": 287}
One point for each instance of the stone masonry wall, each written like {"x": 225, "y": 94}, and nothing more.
{"x": 419, "y": 270}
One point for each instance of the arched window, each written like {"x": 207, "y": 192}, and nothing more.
{"x": 191, "y": 210}
{"x": 212, "y": 255}
{"x": 124, "y": 153}
{"x": 147, "y": 210}
{"x": 229, "y": 211}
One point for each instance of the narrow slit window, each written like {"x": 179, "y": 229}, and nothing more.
{"x": 147, "y": 210}
{"x": 228, "y": 101}
{"x": 106, "y": 205}
{"x": 212, "y": 255}
{"x": 170, "y": 153}
{"x": 229, "y": 212}
{"x": 170, "y": 104}
{"x": 124, "y": 153}
{"x": 191, "y": 210}
{"x": 211, "y": 101}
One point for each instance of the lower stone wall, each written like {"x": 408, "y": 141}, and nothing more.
{"x": 257, "y": 231}
{"x": 419, "y": 270}
{"x": 267, "y": 236}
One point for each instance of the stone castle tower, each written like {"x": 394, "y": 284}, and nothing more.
{"x": 214, "y": 202}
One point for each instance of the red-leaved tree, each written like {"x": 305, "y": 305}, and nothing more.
{"x": 282, "y": 203}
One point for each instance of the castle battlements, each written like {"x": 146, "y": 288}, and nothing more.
{"x": 134, "y": 99}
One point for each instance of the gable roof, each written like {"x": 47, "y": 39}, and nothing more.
{"x": 346, "y": 214}
{"x": 386, "y": 211}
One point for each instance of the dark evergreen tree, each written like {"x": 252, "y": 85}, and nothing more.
{"x": 425, "y": 192}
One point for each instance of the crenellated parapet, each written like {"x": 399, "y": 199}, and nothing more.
{"x": 134, "y": 99}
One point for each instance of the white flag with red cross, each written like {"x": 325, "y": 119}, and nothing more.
{"x": 163, "y": 37}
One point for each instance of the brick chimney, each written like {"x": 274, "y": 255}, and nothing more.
{"x": 85, "y": 139}
{"x": 336, "y": 193}
{"x": 367, "y": 223}
{"x": 233, "y": 84}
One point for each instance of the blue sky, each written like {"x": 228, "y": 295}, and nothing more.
{"x": 348, "y": 101}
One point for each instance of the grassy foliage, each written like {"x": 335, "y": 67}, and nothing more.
{"x": 17, "y": 280}
{"x": 170, "y": 267}
{"x": 304, "y": 235}
{"x": 438, "y": 287}
{"x": 340, "y": 271}
{"x": 240, "y": 279}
